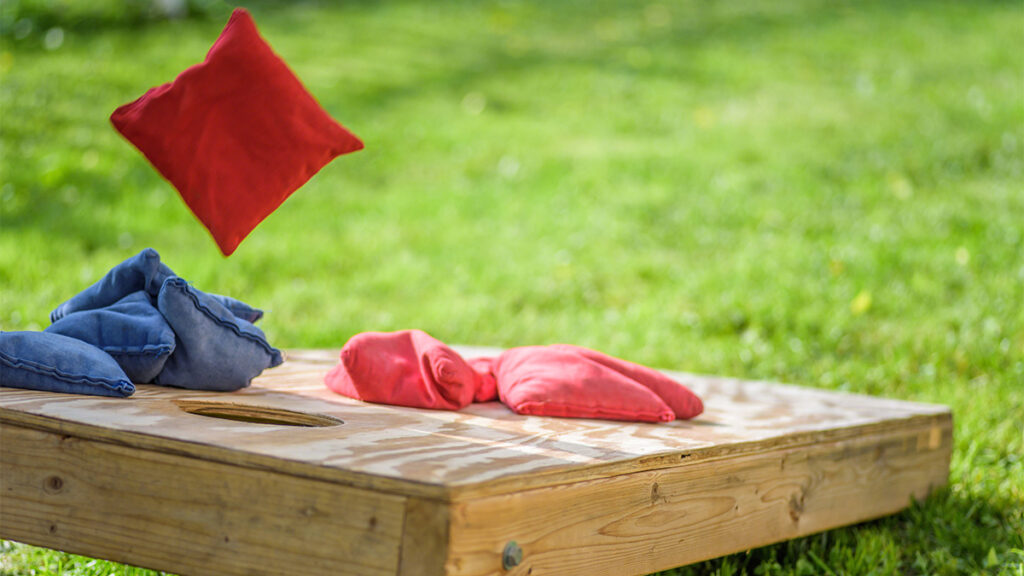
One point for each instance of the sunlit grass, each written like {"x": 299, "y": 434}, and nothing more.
{"x": 821, "y": 193}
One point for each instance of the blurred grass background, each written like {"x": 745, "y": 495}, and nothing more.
{"x": 818, "y": 192}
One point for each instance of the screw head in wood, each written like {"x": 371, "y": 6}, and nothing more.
{"x": 512, "y": 556}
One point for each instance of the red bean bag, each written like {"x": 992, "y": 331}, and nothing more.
{"x": 236, "y": 134}
{"x": 406, "y": 368}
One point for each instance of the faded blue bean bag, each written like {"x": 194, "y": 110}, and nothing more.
{"x": 56, "y": 363}
{"x": 162, "y": 330}
{"x": 214, "y": 348}
{"x": 143, "y": 271}
{"x": 131, "y": 330}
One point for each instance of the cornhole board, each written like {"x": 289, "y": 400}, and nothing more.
{"x": 286, "y": 477}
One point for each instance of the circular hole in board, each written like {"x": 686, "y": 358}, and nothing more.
{"x": 256, "y": 414}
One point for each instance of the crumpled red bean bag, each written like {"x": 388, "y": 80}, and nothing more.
{"x": 405, "y": 368}
{"x": 570, "y": 381}
{"x": 411, "y": 368}
{"x": 683, "y": 402}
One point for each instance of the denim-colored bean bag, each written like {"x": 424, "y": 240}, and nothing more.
{"x": 214, "y": 349}
{"x": 56, "y": 363}
{"x": 143, "y": 271}
{"x": 187, "y": 338}
{"x": 131, "y": 330}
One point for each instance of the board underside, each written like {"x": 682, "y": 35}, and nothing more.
{"x": 286, "y": 477}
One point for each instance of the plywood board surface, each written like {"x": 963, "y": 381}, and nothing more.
{"x": 484, "y": 449}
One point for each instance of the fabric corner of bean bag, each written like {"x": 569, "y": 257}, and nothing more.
{"x": 487, "y": 390}
{"x": 144, "y": 272}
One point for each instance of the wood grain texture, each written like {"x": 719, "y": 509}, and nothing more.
{"x": 648, "y": 521}
{"x": 187, "y": 515}
{"x": 424, "y": 538}
{"x": 356, "y": 488}
{"x": 482, "y": 449}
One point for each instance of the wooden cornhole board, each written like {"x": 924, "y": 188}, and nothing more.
{"x": 150, "y": 481}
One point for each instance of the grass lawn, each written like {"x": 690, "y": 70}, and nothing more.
{"x": 823, "y": 193}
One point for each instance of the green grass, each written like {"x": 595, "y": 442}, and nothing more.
{"x": 823, "y": 193}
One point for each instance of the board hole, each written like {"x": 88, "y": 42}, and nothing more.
{"x": 256, "y": 414}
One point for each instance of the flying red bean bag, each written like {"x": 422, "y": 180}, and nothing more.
{"x": 236, "y": 134}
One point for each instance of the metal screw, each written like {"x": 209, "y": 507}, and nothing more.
{"x": 512, "y": 556}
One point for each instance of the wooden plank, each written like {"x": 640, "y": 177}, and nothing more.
{"x": 188, "y": 515}
{"x": 424, "y": 538}
{"x": 654, "y": 520}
